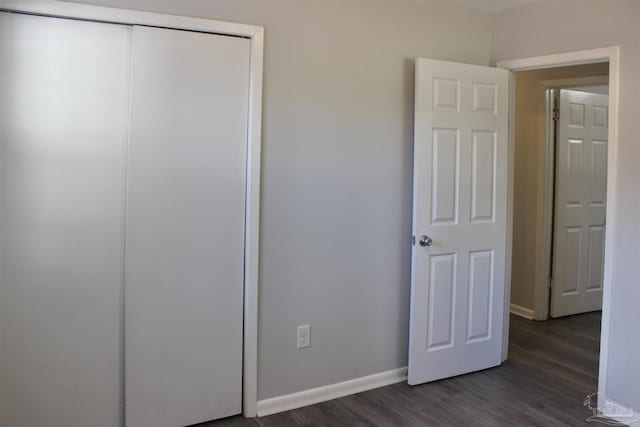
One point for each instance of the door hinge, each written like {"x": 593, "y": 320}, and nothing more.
{"x": 551, "y": 281}
{"x": 413, "y": 240}
{"x": 556, "y": 114}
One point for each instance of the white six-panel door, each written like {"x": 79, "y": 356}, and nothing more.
{"x": 460, "y": 196}
{"x": 581, "y": 202}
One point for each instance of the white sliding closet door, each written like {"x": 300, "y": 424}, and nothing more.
{"x": 63, "y": 112}
{"x": 185, "y": 227}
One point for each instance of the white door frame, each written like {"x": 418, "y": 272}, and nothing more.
{"x": 607, "y": 54}
{"x": 61, "y": 9}
{"x": 545, "y": 214}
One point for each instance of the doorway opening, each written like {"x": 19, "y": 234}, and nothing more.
{"x": 560, "y": 179}
{"x": 547, "y": 191}
{"x": 560, "y": 212}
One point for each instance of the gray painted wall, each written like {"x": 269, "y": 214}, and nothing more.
{"x": 337, "y": 172}
{"x": 553, "y": 27}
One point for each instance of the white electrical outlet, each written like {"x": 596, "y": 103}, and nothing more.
{"x": 304, "y": 336}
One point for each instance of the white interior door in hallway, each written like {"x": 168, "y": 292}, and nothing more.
{"x": 459, "y": 219}
{"x": 122, "y": 193}
{"x": 581, "y": 202}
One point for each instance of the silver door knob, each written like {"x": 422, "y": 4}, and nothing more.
{"x": 425, "y": 241}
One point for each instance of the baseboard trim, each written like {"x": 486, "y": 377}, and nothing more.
{"x": 527, "y": 313}
{"x": 330, "y": 392}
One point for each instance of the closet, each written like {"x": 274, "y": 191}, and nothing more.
{"x": 122, "y": 215}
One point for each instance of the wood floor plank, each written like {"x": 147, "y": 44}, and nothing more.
{"x": 552, "y": 366}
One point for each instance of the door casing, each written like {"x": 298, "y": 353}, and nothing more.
{"x": 612, "y": 56}
{"x": 59, "y": 9}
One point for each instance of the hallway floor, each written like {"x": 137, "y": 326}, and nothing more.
{"x": 552, "y": 366}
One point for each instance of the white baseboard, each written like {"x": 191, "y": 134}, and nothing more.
{"x": 330, "y": 392}
{"x": 527, "y": 313}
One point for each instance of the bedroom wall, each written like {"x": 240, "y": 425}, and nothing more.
{"x": 337, "y": 173}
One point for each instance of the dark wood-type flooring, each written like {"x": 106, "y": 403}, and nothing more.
{"x": 552, "y": 366}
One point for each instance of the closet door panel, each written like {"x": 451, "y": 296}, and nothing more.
{"x": 185, "y": 227}
{"x": 63, "y": 113}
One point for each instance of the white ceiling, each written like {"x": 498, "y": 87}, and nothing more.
{"x": 492, "y": 6}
